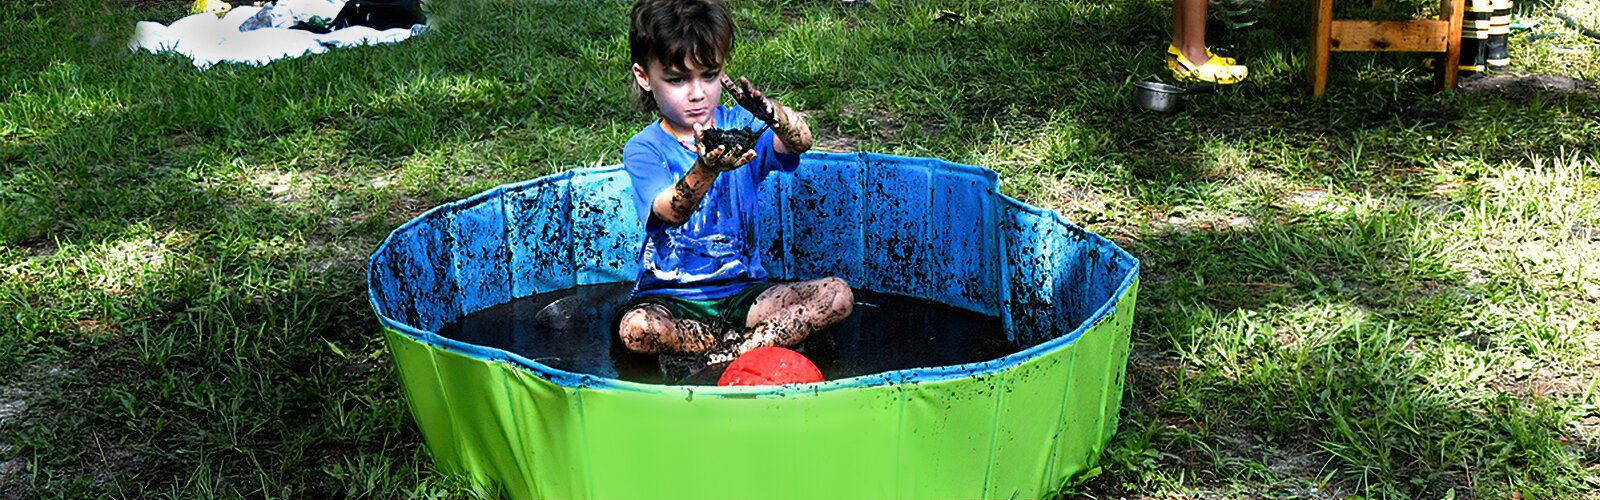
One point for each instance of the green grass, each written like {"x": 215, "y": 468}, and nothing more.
{"x": 1386, "y": 293}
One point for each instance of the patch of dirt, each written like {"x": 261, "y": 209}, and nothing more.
{"x": 39, "y": 378}
{"x": 325, "y": 252}
{"x": 111, "y": 462}
{"x": 1585, "y": 232}
{"x": 1079, "y": 203}
{"x": 1430, "y": 288}
{"x": 1525, "y": 88}
{"x": 1303, "y": 471}
{"x": 1209, "y": 224}
{"x": 13, "y": 402}
{"x": 1308, "y": 200}
{"x": 1548, "y": 382}
{"x": 1436, "y": 207}
{"x": 1582, "y": 440}
{"x": 14, "y": 477}
{"x": 365, "y": 366}
{"x": 1156, "y": 278}
{"x": 1151, "y": 375}
{"x": 880, "y": 125}
{"x": 1585, "y": 430}
{"x": 1286, "y": 339}
{"x": 95, "y": 327}
{"x": 286, "y": 188}
{"x": 381, "y": 181}
{"x": 827, "y": 137}
{"x": 1477, "y": 276}
{"x": 15, "y": 406}
{"x": 407, "y": 207}
{"x": 152, "y": 4}
{"x": 41, "y": 248}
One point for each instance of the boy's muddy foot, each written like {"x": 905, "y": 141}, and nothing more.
{"x": 723, "y": 355}
{"x": 736, "y": 140}
{"x": 704, "y": 368}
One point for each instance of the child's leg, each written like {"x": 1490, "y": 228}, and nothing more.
{"x": 650, "y": 328}
{"x": 787, "y": 313}
{"x": 1189, "y": 28}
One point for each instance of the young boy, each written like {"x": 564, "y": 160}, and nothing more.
{"x": 702, "y": 290}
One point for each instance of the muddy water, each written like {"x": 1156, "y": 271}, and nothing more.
{"x": 573, "y": 330}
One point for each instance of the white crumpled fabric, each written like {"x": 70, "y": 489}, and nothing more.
{"x": 286, "y": 13}
{"x": 208, "y": 39}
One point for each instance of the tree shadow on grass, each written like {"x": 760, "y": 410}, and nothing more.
{"x": 244, "y": 364}
{"x": 1277, "y": 356}
{"x": 237, "y": 362}
{"x": 1286, "y": 414}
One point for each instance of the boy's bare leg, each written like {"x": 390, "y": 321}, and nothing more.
{"x": 786, "y": 314}
{"x": 651, "y": 329}
{"x": 1189, "y": 29}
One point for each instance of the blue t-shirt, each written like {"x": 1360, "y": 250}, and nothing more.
{"x": 713, "y": 254}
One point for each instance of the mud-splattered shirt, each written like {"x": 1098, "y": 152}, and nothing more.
{"x": 713, "y": 254}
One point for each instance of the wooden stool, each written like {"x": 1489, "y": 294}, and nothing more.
{"x": 1351, "y": 35}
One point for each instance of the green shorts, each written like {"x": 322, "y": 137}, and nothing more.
{"x": 733, "y": 309}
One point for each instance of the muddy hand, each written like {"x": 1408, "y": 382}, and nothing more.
{"x": 790, "y": 127}
{"x": 751, "y": 100}
{"x": 719, "y": 159}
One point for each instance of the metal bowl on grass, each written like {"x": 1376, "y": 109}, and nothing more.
{"x": 1154, "y": 96}
{"x": 1157, "y": 97}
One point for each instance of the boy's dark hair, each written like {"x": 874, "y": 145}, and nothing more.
{"x": 670, "y": 32}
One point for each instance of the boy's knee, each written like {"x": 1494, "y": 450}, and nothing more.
{"x": 835, "y": 283}
{"x": 638, "y": 332}
{"x": 844, "y": 300}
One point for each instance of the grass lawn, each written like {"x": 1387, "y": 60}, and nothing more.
{"x": 1386, "y": 293}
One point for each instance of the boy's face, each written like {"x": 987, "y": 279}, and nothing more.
{"x": 685, "y": 95}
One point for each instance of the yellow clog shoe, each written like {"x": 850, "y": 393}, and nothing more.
{"x": 1213, "y": 71}
{"x": 1172, "y": 50}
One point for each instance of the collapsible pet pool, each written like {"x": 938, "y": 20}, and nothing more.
{"x": 1015, "y": 427}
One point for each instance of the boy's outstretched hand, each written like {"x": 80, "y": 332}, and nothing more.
{"x": 720, "y": 159}
{"x": 751, "y": 99}
{"x": 789, "y": 126}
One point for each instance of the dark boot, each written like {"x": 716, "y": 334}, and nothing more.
{"x": 1475, "y": 24}
{"x": 1496, "y": 53}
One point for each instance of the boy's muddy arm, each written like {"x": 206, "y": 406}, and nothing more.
{"x": 792, "y": 130}
{"x": 794, "y": 135}
{"x": 677, "y": 203}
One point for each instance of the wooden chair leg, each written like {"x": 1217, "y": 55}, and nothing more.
{"x": 1449, "y": 67}
{"x": 1321, "y": 32}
